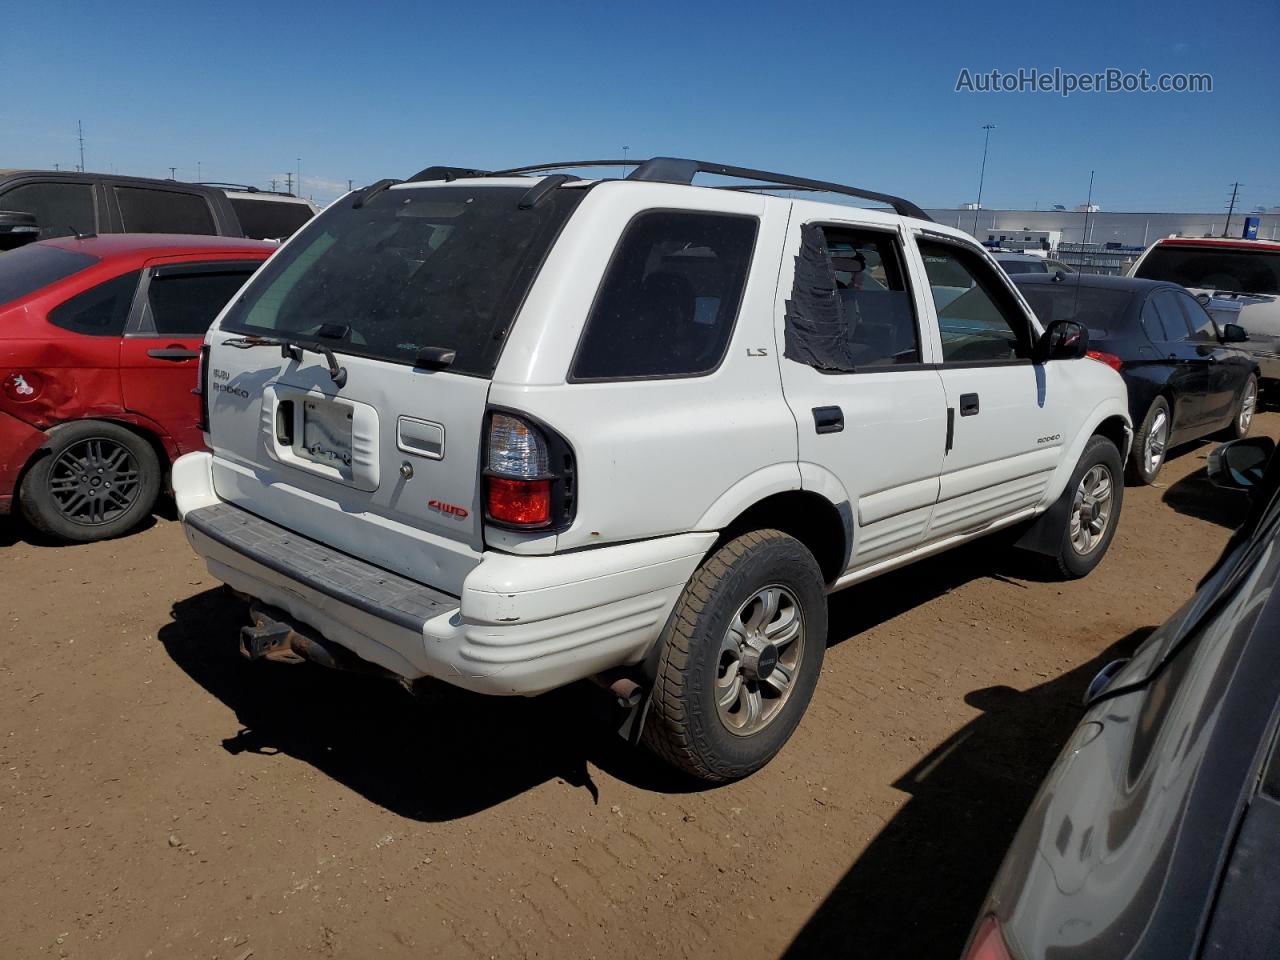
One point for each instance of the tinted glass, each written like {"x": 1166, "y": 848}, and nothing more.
{"x": 877, "y": 303}
{"x": 164, "y": 211}
{"x": 100, "y": 311}
{"x": 670, "y": 297}
{"x": 270, "y": 219}
{"x": 1203, "y": 329}
{"x": 976, "y": 317}
{"x": 184, "y": 305}
{"x": 1171, "y": 316}
{"x": 1097, "y": 308}
{"x": 61, "y": 209}
{"x": 27, "y": 269}
{"x": 422, "y": 267}
{"x": 1243, "y": 271}
{"x": 1022, "y": 266}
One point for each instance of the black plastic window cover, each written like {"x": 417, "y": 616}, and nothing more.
{"x": 815, "y": 328}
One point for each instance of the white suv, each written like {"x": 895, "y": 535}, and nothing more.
{"x": 512, "y": 431}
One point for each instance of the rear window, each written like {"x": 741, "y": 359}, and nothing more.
{"x": 444, "y": 267}
{"x": 164, "y": 211}
{"x": 1097, "y": 308}
{"x": 270, "y": 219}
{"x": 29, "y": 268}
{"x": 1022, "y": 266}
{"x": 1240, "y": 271}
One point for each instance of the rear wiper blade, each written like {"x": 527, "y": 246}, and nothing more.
{"x": 293, "y": 350}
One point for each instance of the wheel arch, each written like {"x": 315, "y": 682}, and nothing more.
{"x": 155, "y": 438}
{"x": 824, "y": 528}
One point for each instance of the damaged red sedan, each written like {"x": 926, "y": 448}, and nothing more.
{"x": 99, "y": 349}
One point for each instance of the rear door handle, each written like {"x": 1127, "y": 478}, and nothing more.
{"x": 968, "y": 404}
{"x": 828, "y": 419}
{"x": 173, "y": 353}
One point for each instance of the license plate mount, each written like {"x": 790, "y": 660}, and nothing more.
{"x": 326, "y": 434}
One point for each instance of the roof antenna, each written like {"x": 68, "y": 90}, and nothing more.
{"x": 1088, "y": 207}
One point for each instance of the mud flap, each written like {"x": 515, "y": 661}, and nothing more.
{"x": 1044, "y": 534}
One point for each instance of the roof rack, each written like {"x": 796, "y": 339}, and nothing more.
{"x": 244, "y": 187}
{"x": 680, "y": 170}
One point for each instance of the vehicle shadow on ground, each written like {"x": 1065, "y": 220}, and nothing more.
{"x": 426, "y": 758}
{"x": 1195, "y": 495}
{"x": 917, "y": 888}
{"x": 13, "y": 530}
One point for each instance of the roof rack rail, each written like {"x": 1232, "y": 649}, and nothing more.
{"x": 680, "y": 170}
{"x": 244, "y": 187}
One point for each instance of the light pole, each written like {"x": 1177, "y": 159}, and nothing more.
{"x": 624, "y": 159}
{"x": 986, "y": 140}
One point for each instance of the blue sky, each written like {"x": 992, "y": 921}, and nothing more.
{"x": 863, "y": 93}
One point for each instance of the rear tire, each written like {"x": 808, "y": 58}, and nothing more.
{"x": 1151, "y": 443}
{"x": 1097, "y": 495}
{"x": 740, "y": 658}
{"x": 93, "y": 480}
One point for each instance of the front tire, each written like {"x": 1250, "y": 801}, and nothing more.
{"x": 94, "y": 480}
{"x": 740, "y": 658}
{"x": 1239, "y": 428}
{"x": 1096, "y": 494}
{"x": 1151, "y": 445}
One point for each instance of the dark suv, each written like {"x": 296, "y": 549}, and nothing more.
{"x": 67, "y": 203}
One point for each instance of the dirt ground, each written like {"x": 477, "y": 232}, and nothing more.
{"x": 161, "y": 797}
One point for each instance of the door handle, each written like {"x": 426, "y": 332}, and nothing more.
{"x": 173, "y": 353}
{"x": 968, "y": 404}
{"x": 828, "y": 419}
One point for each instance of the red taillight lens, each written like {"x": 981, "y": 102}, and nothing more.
{"x": 1110, "y": 359}
{"x": 523, "y": 502}
{"x": 987, "y": 943}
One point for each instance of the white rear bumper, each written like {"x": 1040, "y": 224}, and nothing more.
{"x": 523, "y": 625}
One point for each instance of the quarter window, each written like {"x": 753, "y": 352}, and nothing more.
{"x": 978, "y": 319}
{"x": 164, "y": 211}
{"x": 184, "y": 304}
{"x": 60, "y": 209}
{"x": 670, "y": 297}
{"x": 101, "y": 311}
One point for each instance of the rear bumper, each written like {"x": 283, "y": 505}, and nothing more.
{"x": 522, "y": 625}
{"x": 18, "y": 441}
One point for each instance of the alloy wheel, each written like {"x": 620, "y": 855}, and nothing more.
{"x": 1091, "y": 509}
{"x": 1248, "y": 403}
{"x": 1156, "y": 443}
{"x": 94, "y": 481}
{"x": 759, "y": 656}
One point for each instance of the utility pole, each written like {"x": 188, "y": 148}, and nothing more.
{"x": 173, "y": 173}
{"x": 986, "y": 140}
{"x": 273, "y": 184}
{"x": 288, "y": 183}
{"x": 1235, "y": 190}
{"x": 199, "y": 172}
{"x": 56, "y": 167}
{"x": 299, "y": 176}
{"x": 80, "y": 134}
{"x": 348, "y": 184}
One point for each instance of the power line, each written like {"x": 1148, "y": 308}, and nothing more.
{"x": 80, "y": 134}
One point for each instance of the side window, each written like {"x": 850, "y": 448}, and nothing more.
{"x": 1152, "y": 323}
{"x": 270, "y": 219}
{"x": 850, "y": 308}
{"x": 1203, "y": 329}
{"x": 670, "y": 297}
{"x": 184, "y": 304}
{"x": 1171, "y": 316}
{"x": 978, "y": 319}
{"x": 60, "y": 209}
{"x": 100, "y": 311}
{"x": 163, "y": 211}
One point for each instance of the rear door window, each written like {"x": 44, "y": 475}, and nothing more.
{"x": 30, "y": 268}
{"x": 669, "y": 298}
{"x": 183, "y": 301}
{"x": 100, "y": 311}
{"x": 269, "y": 219}
{"x": 416, "y": 268}
{"x": 144, "y": 210}
{"x": 60, "y": 209}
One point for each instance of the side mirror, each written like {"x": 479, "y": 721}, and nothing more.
{"x": 17, "y": 228}
{"x": 1234, "y": 333}
{"x": 1240, "y": 464}
{"x": 1063, "y": 340}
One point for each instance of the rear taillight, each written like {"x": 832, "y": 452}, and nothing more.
{"x": 529, "y": 475}
{"x": 1110, "y": 359}
{"x": 988, "y": 943}
{"x": 202, "y": 388}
